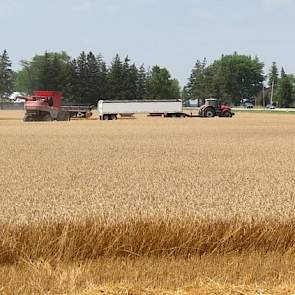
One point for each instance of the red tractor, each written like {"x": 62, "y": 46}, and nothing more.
{"x": 46, "y": 106}
{"x": 213, "y": 107}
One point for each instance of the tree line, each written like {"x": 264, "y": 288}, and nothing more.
{"x": 236, "y": 78}
{"x": 87, "y": 78}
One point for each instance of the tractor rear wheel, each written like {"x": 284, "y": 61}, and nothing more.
{"x": 209, "y": 113}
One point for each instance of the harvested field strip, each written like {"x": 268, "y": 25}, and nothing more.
{"x": 91, "y": 239}
{"x": 252, "y": 273}
{"x": 206, "y": 289}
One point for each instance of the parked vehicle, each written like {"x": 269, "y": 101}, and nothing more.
{"x": 248, "y": 105}
{"x": 270, "y": 106}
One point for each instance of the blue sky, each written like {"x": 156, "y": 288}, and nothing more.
{"x": 171, "y": 33}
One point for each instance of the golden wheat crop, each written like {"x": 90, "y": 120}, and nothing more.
{"x": 149, "y": 189}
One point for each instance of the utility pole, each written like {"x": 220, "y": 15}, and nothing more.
{"x": 272, "y": 89}
{"x": 263, "y": 96}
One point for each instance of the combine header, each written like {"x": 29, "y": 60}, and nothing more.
{"x": 46, "y": 106}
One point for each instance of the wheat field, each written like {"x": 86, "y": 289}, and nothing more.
{"x": 148, "y": 206}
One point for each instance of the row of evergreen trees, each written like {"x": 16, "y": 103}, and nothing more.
{"x": 87, "y": 78}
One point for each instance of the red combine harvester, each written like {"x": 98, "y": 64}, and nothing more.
{"x": 46, "y": 106}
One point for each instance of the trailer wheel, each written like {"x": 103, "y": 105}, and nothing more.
{"x": 81, "y": 115}
{"x": 105, "y": 117}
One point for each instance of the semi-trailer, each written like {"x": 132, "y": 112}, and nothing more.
{"x": 111, "y": 109}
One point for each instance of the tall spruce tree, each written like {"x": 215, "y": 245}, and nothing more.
{"x": 273, "y": 75}
{"x": 93, "y": 76}
{"x": 126, "y": 79}
{"x": 71, "y": 84}
{"x": 141, "y": 83}
{"x": 115, "y": 79}
{"x": 196, "y": 88}
{"x": 132, "y": 82}
{"x": 82, "y": 74}
{"x": 102, "y": 78}
{"x": 6, "y": 75}
{"x": 273, "y": 78}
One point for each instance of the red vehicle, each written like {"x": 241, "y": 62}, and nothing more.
{"x": 213, "y": 107}
{"x": 46, "y": 106}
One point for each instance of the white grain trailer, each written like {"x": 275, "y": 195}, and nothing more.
{"x": 110, "y": 109}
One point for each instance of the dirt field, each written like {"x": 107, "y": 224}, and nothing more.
{"x": 149, "y": 205}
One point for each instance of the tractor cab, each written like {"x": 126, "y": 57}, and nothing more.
{"x": 214, "y": 102}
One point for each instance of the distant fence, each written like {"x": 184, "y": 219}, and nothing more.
{"x": 11, "y": 106}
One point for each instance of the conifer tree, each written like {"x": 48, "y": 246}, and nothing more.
{"x": 115, "y": 79}
{"x": 102, "y": 78}
{"x": 141, "y": 83}
{"x": 92, "y": 79}
{"x": 132, "y": 79}
{"x": 6, "y": 75}
{"x": 196, "y": 87}
{"x": 273, "y": 75}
